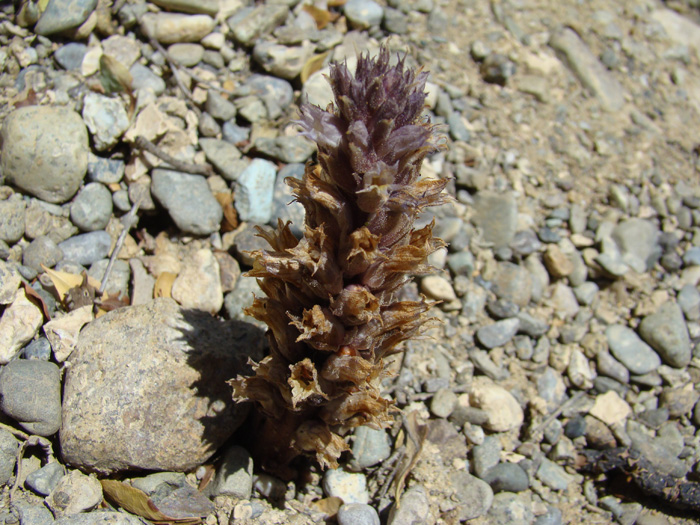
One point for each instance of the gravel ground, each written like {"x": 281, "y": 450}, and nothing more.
{"x": 560, "y": 387}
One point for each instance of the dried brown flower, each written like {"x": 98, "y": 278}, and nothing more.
{"x": 331, "y": 297}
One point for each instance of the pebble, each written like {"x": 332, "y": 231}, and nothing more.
{"x": 689, "y": 300}
{"x": 206, "y": 7}
{"x": 198, "y": 286}
{"x": 233, "y": 133}
{"x": 8, "y": 455}
{"x": 225, "y": 157}
{"x": 92, "y": 207}
{"x": 590, "y": 72}
{"x": 105, "y": 170}
{"x": 282, "y": 61}
{"x": 557, "y": 263}
{"x": 118, "y": 282}
{"x": 611, "y": 367}
{"x": 188, "y": 200}
{"x": 219, "y": 107}
{"x": 235, "y": 475}
{"x": 586, "y": 293}
{"x": 553, "y": 475}
{"x": 497, "y": 216}
{"x": 45, "y": 151}
{"x": 443, "y": 403}
{"x": 498, "y": 333}
{"x": 678, "y": 401}
{"x": 438, "y": 288}
{"x": 503, "y": 411}
{"x": 171, "y": 28}
{"x": 99, "y": 517}
{"x": 10, "y": 280}
{"x": 458, "y": 129}
{"x": 414, "y": 508}
{"x": 357, "y": 514}
{"x": 348, "y": 486}
{"x": 86, "y": 248}
{"x": 44, "y": 480}
{"x": 250, "y": 23}
{"x": 553, "y": 516}
{"x": 579, "y": 371}
{"x": 254, "y": 191}
{"x": 106, "y": 119}
{"x": 74, "y": 493}
{"x": 145, "y": 79}
{"x": 666, "y": 332}
{"x": 363, "y": 14}
{"x": 30, "y": 514}
{"x": 179, "y": 377}
{"x": 475, "y": 496}
{"x": 186, "y": 54}
{"x": 630, "y": 350}
{"x": 486, "y": 455}
{"x": 285, "y": 207}
{"x": 42, "y": 251}
{"x": 370, "y": 447}
{"x": 31, "y": 394}
{"x": 19, "y": 323}
{"x": 513, "y": 283}
{"x": 295, "y": 149}
{"x": 70, "y": 56}
{"x": 61, "y": 15}
{"x": 506, "y": 477}
{"x": 639, "y": 239}
{"x": 12, "y": 218}
{"x": 395, "y": 21}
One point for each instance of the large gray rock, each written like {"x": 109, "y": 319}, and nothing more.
{"x": 45, "y": 151}
{"x": 147, "y": 389}
{"x": 665, "y": 330}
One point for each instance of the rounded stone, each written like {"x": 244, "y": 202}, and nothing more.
{"x": 363, "y": 13}
{"x": 86, "y": 248}
{"x": 506, "y": 477}
{"x": 92, "y": 207}
{"x": 357, "y": 514}
{"x": 630, "y": 350}
{"x": 504, "y": 412}
{"x": 45, "y": 151}
{"x": 31, "y": 394}
{"x": 350, "y": 487}
{"x": 119, "y": 408}
{"x": 170, "y": 28}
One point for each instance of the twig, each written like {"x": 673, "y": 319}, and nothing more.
{"x": 198, "y": 169}
{"x": 539, "y": 428}
{"x": 174, "y": 67}
{"x": 128, "y": 221}
{"x": 396, "y": 458}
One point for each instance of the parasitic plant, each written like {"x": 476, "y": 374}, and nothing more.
{"x": 331, "y": 298}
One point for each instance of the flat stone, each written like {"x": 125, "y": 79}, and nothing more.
{"x": 144, "y": 78}
{"x": 350, "y": 487}
{"x": 254, "y": 192}
{"x": 125, "y": 49}
{"x": 106, "y": 119}
{"x": 497, "y": 216}
{"x": 235, "y": 476}
{"x": 86, "y": 248}
{"x": 498, "y": 333}
{"x": 414, "y": 508}
{"x": 18, "y": 325}
{"x": 250, "y": 23}
{"x": 41, "y": 251}
{"x": 104, "y": 170}
{"x": 638, "y": 238}
{"x": 186, "y": 54}
{"x": 370, "y": 447}
{"x": 8, "y": 455}
{"x": 70, "y": 56}
{"x": 31, "y": 394}
{"x": 191, "y": 356}
{"x": 220, "y": 107}
{"x": 225, "y": 157}
{"x": 12, "y": 218}
{"x": 170, "y": 28}
{"x": 92, "y": 207}
{"x": 189, "y": 201}
{"x": 61, "y": 15}
{"x": 590, "y": 72}
{"x": 74, "y": 493}
{"x": 513, "y": 282}
{"x": 282, "y": 61}
{"x": 503, "y": 411}
{"x": 198, "y": 286}
{"x": 46, "y": 479}
{"x": 287, "y": 149}
{"x": 205, "y": 7}
{"x": 553, "y": 475}
{"x": 357, "y": 514}
{"x": 506, "y": 477}
{"x": 10, "y": 281}
{"x": 610, "y": 408}
{"x": 45, "y": 151}
{"x": 665, "y": 330}
{"x": 630, "y": 350}
{"x": 475, "y": 496}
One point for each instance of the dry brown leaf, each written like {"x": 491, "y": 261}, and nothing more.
{"x": 114, "y": 75}
{"x": 34, "y": 297}
{"x": 64, "y": 281}
{"x": 416, "y": 433}
{"x": 327, "y": 506}
{"x": 315, "y": 63}
{"x": 322, "y": 17}
{"x": 137, "y": 502}
{"x": 164, "y": 284}
{"x": 230, "y": 221}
